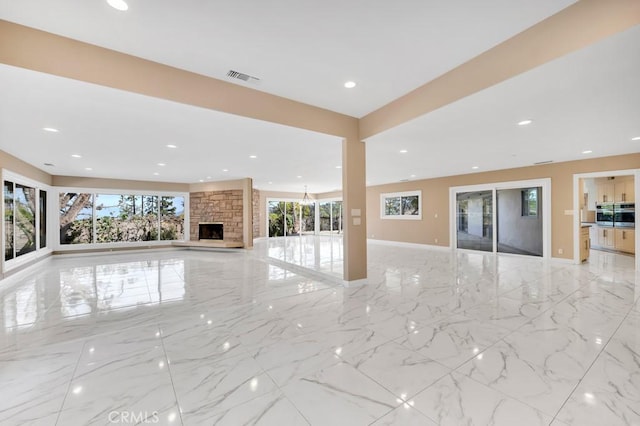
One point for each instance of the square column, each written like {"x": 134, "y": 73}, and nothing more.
{"x": 354, "y": 200}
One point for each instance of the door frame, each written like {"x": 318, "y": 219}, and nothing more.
{"x": 576, "y": 206}
{"x": 545, "y": 183}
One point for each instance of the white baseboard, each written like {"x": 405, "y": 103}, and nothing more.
{"x": 355, "y": 283}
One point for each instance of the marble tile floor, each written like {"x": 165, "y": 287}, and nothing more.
{"x": 235, "y": 337}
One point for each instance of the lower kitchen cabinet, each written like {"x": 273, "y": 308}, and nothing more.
{"x": 606, "y": 237}
{"x": 625, "y": 240}
{"x": 584, "y": 244}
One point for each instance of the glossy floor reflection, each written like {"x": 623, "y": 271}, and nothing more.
{"x": 243, "y": 337}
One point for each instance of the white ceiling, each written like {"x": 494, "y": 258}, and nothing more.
{"x": 588, "y": 100}
{"x": 124, "y": 135}
{"x": 305, "y": 51}
{"x": 300, "y": 49}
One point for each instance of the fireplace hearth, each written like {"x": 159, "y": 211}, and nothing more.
{"x": 210, "y": 231}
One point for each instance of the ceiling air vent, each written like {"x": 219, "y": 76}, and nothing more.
{"x": 543, "y": 162}
{"x": 241, "y": 76}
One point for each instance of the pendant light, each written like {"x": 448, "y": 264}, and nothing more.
{"x": 305, "y": 199}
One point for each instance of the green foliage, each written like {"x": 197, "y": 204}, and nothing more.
{"x": 116, "y": 229}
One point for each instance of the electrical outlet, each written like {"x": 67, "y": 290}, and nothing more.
{"x": 560, "y": 251}
{"x": 435, "y": 215}
{"x": 436, "y": 241}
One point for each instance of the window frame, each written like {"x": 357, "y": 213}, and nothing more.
{"x": 389, "y": 195}
{"x": 525, "y": 203}
{"x": 120, "y": 244}
{"x": 24, "y": 259}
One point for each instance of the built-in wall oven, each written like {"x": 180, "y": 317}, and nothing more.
{"x": 604, "y": 214}
{"x": 624, "y": 215}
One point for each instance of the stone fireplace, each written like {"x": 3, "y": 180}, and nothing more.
{"x": 224, "y": 207}
{"x": 211, "y": 231}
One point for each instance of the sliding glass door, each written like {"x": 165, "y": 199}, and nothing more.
{"x": 519, "y": 221}
{"x": 330, "y": 217}
{"x": 475, "y": 220}
{"x": 287, "y": 218}
{"x": 503, "y": 219}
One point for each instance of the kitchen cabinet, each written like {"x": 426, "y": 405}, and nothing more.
{"x": 606, "y": 237}
{"x": 593, "y": 235}
{"x": 625, "y": 240}
{"x": 624, "y": 192}
{"x": 584, "y": 243}
{"x": 606, "y": 192}
{"x": 616, "y": 192}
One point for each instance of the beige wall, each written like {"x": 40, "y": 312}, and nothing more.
{"x": 435, "y": 200}
{"x": 325, "y": 195}
{"x": 222, "y": 185}
{"x": 15, "y": 165}
{"x": 134, "y": 185}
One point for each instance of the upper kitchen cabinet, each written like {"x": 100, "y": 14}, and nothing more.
{"x": 624, "y": 191}
{"x": 606, "y": 192}
{"x": 618, "y": 190}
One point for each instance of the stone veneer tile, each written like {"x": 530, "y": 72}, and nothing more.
{"x": 217, "y": 206}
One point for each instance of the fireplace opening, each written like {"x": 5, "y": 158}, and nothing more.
{"x": 210, "y": 231}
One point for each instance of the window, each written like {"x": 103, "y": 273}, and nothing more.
{"x": 401, "y": 205}
{"x": 530, "y": 202}
{"x": 8, "y": 220}
{"x": 43, "y": 219}
{"x": 25, "y": 217}
{"x": 116, "y": 218}
{"x": 292, "y": 218}
{"x": 171, "y": 218}
{"x": 76, "y": 218}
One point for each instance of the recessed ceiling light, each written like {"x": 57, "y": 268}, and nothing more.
{"x": 524, "y": 122}
{"x": 161, "y": 164}
{"x": 299, "y": 177}
{"x": 475, "y": 167}
{"x": 118, "y": 5}
{"x": 208, "y": 177}
{"x": 50, "y": 129}
{"x": 588, "y": 151}
{"x": 76, "y": 155}
{"x": 88, "y": 169}
{"x": 171, "y": 146}
{"x": 403, "y": 151}
{"x": 350, "y": 84}
{"x": 156, "y": 174}
{"x": 270, "y": 182}
{"x": 253, "y": 156}
{"x": 225, "y": 170}
{"x": 201, "y": 180}
{"x": 338, "y": 167}
{"x": 637, "y": 138}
